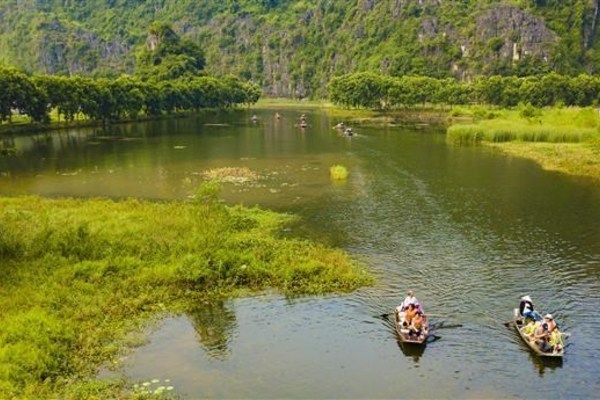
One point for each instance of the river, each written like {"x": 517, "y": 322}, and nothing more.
{"x": 468, "y": 229}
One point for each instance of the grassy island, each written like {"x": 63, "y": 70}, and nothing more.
{"x": 80, "y": 276}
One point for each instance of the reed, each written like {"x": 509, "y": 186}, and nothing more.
{"x": 549, "y": 126}
{"x": 79, "y": 276}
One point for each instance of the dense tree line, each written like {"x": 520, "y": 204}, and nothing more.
{"x": 370, "y": 90}
{"x": 114, "y": 99}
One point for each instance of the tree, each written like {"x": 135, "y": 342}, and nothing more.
{"x": 168, "y": 56}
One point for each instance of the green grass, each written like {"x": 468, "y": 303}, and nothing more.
{"x": 78, "y": 277}
{"x": 559, "y": 139}
{"x": 556, "y": 125}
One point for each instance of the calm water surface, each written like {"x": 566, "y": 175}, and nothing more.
{"x": 468, "y": 229}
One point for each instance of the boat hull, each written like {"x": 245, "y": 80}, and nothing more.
{"x": 519, "y": 327}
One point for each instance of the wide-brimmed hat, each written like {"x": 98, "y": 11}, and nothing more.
{"x": 548, "y": 316}
{"x": 526, "y": 298}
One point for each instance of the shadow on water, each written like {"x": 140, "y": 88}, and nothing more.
{"x": 214, "y": 324}
{"x": 542, "y": 364}
{"x": 414, "y": 351}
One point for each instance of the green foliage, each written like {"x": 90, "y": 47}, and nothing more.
{"x": 529, "y": 124}
{"x": 338, "y": 172}
{"x": 170, "y": 57}
{"x": 296, "y": 44}
{"x": 78, "y": 276}
{"x": 114, "y": 99}
{"x": 376, "y": 91}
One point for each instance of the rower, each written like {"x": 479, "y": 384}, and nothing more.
{"x": 526, "y": 309}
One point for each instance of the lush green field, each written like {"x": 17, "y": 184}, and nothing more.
{"x": 559, "y": 139}
{"x": 79, "y": 277}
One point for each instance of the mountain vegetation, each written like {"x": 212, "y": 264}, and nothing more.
{"x": 293, "y": 48}
{"x": 169, "y": 78}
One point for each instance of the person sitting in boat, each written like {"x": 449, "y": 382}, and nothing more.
{"x": 541, "y": 337}
{"x": 556, "y": 341}
{"x": 416, "y": 324}
{"x": 530, "y": 328}
{"x": 409, "y": 315}
{"x": 409, "y": 299}
{"x": 254, "y": 118}
{"x": 526, "y": 309}
{"x": 552, "y": 326}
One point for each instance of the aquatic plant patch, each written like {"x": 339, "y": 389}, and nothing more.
{"x": 79, "y": 276}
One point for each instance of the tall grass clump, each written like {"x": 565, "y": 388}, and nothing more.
{"x": 338, "y": 172}
{"x": 78, "y": 276}
{"x": 528, "y": 124}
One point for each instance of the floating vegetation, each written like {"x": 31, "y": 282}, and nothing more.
{"x": 338, "y": 172}
{"x": 231, "y": 175}
{"x": 153, "y": 388}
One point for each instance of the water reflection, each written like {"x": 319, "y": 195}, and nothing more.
{"x": 214, "y": 323}
{"x": 411, "y": 350}
{"x": 542, "y": 364}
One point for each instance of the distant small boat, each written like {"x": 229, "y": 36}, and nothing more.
{"x": 519, "y": 325}
{"x": 406, "y": 337}
{"x": 303, "y": 124}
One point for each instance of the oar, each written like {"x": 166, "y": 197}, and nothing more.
{"x": 442, "y": 325}
{"x": 384, "y": 316}
{"x": 510, "y": 323}
{"x": 433, "y": 338}
{"x": 451, "y": 326}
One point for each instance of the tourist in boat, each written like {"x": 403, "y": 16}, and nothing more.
{"x": 526, "y": 309}
{"x": 556, "y": 341}
{"x": 409, "y": 315}
{"x": 254, "y": 118}
{"x": 277, "y": 115}
{"x": 416, "y": 324}
{"x": 408, "y": 300}
{"x": 542, "y": 336}
{"x": 530, "y": 328}
{"x": 552, "y": 326}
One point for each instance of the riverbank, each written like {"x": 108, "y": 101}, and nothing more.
{"x": 23, "y": 127}
{"x": 566, "y": 140}
{"x": 81, "y": 277}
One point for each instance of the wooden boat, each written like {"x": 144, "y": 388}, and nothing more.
{"x": 519, "y": 325}
{"x": 404, "y": 334}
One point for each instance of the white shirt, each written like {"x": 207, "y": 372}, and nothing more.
{"x": 407, "y": 301}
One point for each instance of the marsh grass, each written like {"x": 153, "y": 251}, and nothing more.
{"x": 559, "y": 139}
{"x": 557, "y": 125}
{"x": 79, "y": 276}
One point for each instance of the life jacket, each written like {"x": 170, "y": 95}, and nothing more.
{"x": 555, "y": 338}
{"x": 531, "y": 329}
